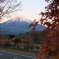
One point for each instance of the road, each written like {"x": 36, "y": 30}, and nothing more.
{"x": 13, "y": 55}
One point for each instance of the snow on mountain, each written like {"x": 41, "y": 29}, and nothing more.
{"x": 18, "y": 25}
{"x": 19, "y": 19}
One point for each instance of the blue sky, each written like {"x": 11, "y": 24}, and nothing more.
{"x": 32, "y": 8}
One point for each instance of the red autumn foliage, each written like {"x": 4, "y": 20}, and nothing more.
{"x": 33, "y": 25}
{"x": 36, "y": 23}
{"x": 50, "y": 44}
{"x": 8, "y": 41}
{"x": 28, "y": 42}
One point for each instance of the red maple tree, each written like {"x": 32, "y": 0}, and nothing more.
{"x": 50, "y": 43}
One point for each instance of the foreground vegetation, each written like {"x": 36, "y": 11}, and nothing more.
{"x": 28, "y": 42}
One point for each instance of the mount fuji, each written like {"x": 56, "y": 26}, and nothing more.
{"x": 18, "y": 25}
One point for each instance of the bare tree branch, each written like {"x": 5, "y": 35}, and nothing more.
{"x": 8, "y": 7}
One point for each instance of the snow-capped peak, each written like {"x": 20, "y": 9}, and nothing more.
{"x": 21, "y": 19}
{"x": 21, "y": 16}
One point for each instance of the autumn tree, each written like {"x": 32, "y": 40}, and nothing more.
{"x": 16, "y": 41}
{"x": 28, "y": 44}
{"x": 36, "y": 36}
{"x": 50, "y": 43}
{"x": 8, "y": 7}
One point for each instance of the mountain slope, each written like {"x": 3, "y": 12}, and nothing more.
{"x": 18, "y": 25}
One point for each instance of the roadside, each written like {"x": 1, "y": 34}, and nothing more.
{"x": 18, "y": 51}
